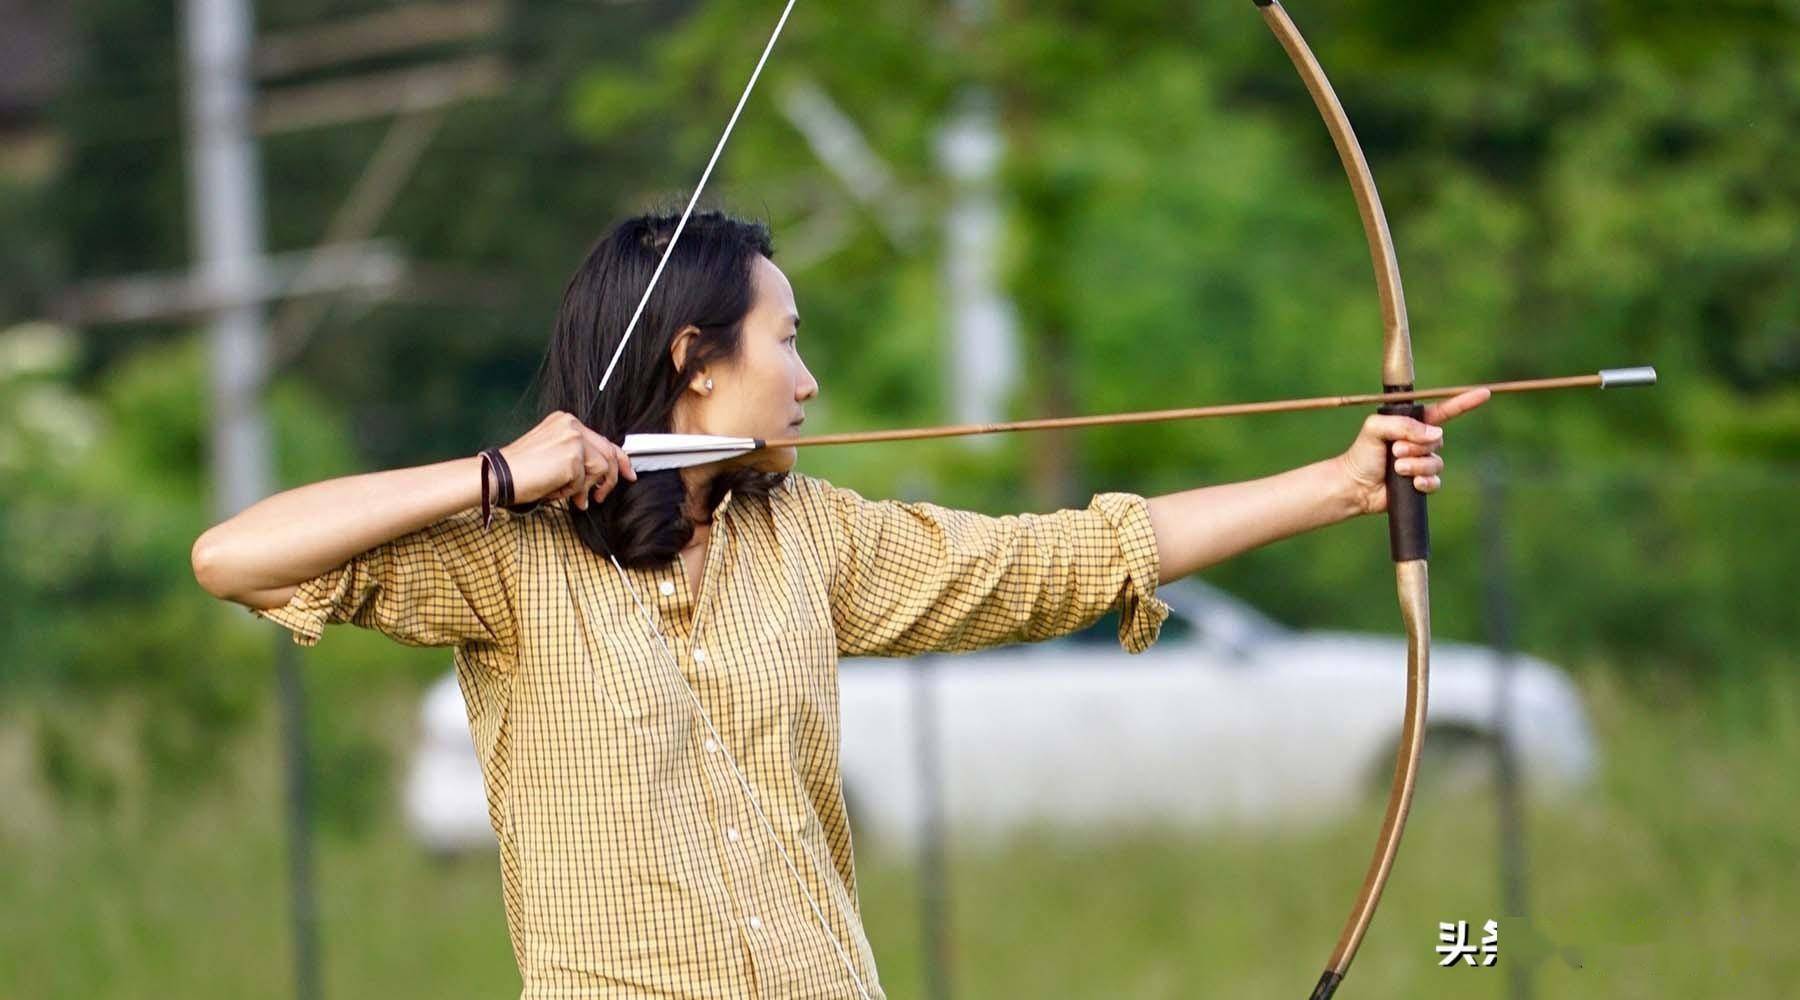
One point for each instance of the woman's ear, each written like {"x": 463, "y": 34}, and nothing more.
{"x": 678, "y": 347}
{"x": 697, "y": 382}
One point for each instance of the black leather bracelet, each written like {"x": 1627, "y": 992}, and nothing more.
{"x": 504, "y": 494}
{"x": 487, "y": 507}
{"x": 504, "y": 471}
{"x": 503, "y": 485}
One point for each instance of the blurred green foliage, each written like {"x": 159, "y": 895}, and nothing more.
{"x": 1572, "y": 185}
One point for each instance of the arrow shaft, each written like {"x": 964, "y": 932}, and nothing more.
{"x": 1599, "y": 380}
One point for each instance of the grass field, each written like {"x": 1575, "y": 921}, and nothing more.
{"x": 1679, "y": 877}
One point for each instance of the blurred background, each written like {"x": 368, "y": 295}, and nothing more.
{"x": 328, "y": 236}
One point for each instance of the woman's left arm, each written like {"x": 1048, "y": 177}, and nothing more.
{"x": 1197, "y": 528}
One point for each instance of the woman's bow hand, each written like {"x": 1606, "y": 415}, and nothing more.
{"x": 1415, "y": 444}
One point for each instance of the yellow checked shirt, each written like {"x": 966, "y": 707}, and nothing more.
{"x": 633, "y": 863}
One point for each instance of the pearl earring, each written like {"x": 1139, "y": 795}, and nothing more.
{"x": 709, "y": 385}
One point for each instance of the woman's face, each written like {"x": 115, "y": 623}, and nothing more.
{"x": 762, "y": 391}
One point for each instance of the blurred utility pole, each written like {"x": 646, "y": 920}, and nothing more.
{"x": 228, "y": 239}
{"x": 992, "y": 122}
{"x": 984, "y": 350}
{"x": 934, "y": 878}
{"x": 233, "y": 279}
{"x": 369, "y": 267}
{"x": 376, "y": 34}
{"x": 1509, "y": 806}
{"x": 982, "y": 363}
{"x": 340, "y": 71}
{"x": 418, "y": 96}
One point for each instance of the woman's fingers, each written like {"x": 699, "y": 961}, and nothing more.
{"x": 624, "y": 462}
{"x": 1413, "y": 445}
{"x": 605, "y": 463}
{"x": 1411, "y": 449}
{"x": 595, "y": 471}
{"x": 1456, "y": 406}
{"x": 1404, "y": 432}
{"x": 618, "y": 466}
{"x": 1429, "y": 465}
{"x": 599, "y": 490}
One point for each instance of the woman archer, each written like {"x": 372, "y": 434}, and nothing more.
{"x": 649, "y": 662}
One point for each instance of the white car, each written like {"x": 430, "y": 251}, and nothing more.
{"x": 1228, "y": 718}
{"x": 445, "y": 803}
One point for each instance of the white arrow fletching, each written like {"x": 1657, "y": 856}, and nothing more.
{"x": 657, "y": 463}
{"x": 655, "y": 452}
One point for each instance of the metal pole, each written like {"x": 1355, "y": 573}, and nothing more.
{"x": 303, "y": 907}
{"x": 1509, "y": 809}
{"x": 983, "y": 358}
{"x": 226, "y": 201}
{"x": 933, "y": 878}
{"x": 228, "y": 241}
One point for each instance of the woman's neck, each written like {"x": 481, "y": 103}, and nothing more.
{"x": 702, "y": 535}
{"x": 698, "y": 484}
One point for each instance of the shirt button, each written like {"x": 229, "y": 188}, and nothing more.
{"x": 712, "y": 745}
{"x": 731, "y": 834}
{"x": 667, "y": 587}
{"x": 756, "y": 923}
{"x": 699, "y": 655}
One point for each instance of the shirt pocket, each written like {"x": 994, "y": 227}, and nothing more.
{"x": 800, "y": 664}
{"x": 806, "y": 658}
{"x": 637, "y": 688}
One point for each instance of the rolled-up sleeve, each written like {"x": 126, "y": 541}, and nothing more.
{"x": 451, "y": 583}
{"x": 915, "y": 577}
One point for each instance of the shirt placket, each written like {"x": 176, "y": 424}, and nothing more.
{"x": 741, "y": 841}
{"x": 746, "y": 868}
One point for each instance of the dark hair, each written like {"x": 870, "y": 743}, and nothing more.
{"x": 707, "y": 284}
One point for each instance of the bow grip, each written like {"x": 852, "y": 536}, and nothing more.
{"x": 1409, "y": 530}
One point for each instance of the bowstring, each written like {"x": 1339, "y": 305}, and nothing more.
{"x": 693, "y": 200}
{"x": 744, "y": 786}
{"x": 637, "y": 313}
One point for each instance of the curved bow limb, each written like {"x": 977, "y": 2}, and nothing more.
{"x": 1408, "y": 526}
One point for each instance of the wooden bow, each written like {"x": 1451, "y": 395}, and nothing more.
{"x": 1408, "y": 527}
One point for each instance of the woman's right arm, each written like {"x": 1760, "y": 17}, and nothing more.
{"x": 260, "y": 556}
